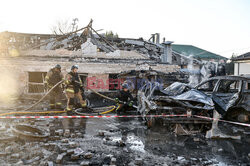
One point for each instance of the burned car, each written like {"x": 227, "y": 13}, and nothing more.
{"x": 177, "y": 99}
{"x": 228, "y": 95}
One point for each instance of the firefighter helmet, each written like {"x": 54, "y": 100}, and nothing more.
{"x": 74, "y": 67}
{"x": 58, "y": 66}
{"x": 125, "y": 86}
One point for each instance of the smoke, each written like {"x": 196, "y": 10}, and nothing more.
{"x": 194, "y": 74}
{"x": 8, "y": 86}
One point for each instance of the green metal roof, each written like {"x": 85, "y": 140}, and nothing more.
{"x": 196, "y": 52}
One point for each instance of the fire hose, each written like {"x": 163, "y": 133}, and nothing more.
{"x": 47, "y": 112}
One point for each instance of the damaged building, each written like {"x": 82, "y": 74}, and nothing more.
{"x": 242, "y": 64}
{"x": 100, "y": 61}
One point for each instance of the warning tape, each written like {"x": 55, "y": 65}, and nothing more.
{"x": 87, "y": 116}
{"x": 237, "y": 123}
{"x": 117, "y": 116}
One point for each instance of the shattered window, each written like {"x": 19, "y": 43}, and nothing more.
{"x": 229, "y": 86}
{"x": 113, "y": 82}
{"x": 35, "y": 82}
{"x": 207, "y": 86}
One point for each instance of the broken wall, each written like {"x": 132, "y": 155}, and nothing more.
{"x": 20, "y": 69}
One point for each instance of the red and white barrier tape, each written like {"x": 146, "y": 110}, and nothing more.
{"x": 116, "y": 116}
{"x": 237, "y": 123}
{"x": 87, "y": 116}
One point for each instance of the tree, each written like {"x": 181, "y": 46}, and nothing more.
{"x": 64, "y": 26}
{"x": 110, "y": 34}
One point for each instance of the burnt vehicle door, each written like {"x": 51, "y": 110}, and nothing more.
{"x": 245, "y": 101}
{"x": 207, "y": 87}
{"x": 227, "y": 94}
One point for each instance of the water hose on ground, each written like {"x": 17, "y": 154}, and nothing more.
{"x": 25, "y": 111}
{"x": 44, "y": 96}
{"x": 46, "y": 112}
{"x": 106, "y": 97}
{"x": 112, "y": 109}
{"x": 104, "y": 112}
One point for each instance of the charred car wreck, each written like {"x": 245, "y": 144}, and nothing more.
{"x": 229, "y": 95}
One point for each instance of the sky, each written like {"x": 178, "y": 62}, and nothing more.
{"x": 219, "y": 26}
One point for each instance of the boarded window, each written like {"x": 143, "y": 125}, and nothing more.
{"x": 114, "y": 82}
{"x": 35, "y": 82}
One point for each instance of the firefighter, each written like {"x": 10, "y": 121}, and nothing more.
{"x": 73, "y": 90}
{"x": 221, "y": 71}
{"x": 126, "y": 98}
{"x": 52, "y": 78}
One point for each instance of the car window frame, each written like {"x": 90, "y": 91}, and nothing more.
{"x": 220, "y": 81}
{"x": 207, "y": 82}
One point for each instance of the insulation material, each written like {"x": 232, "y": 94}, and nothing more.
{"x": 89, "y": 48}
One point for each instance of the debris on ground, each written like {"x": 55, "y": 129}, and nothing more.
{"x": 215, "y": 132}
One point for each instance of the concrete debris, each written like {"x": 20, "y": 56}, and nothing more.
{"x": 88, "y": 155}
{"x": 31, "y": 160}
{"x": 138, "y": 161}
{"x": 73, "y": 135}
{"x": 84, "y": 163}
{"x": 114, "y": 54}
{"x": 59, "y": 132}
{"x": 9, "y": 149}
{"x": 78, "y": 134}
{"x": 197, "y": 139}
{"x": 180, "y": 158}
{"x": 78, "y": 151}
{"x": 101, "y": 133}
{"x": 65, "y": 140}
{"x": 60, "y": 158}
{"x": 72, "y": 144}
{"x": 67, "y": 133}
{"x": 70, "y": 151}
{"x": 75, "y": 157}
{"x": 113, "y": 161}
{"x": 15, "y": 155}
{"x": 179, "y": 130}
{"x": 50, "y": 163}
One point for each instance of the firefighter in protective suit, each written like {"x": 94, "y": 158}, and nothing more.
{"x": 124, "y": 96}
{"x": 73, "y": 90}
{"x": 52, "y": 78}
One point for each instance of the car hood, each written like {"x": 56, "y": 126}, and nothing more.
{"x": 176, "y": 88}
{"x": 196, "y": 96}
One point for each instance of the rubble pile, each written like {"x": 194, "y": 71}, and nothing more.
{"x": 118, "y": 142}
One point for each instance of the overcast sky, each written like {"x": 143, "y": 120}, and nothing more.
{"x": 219, "y": 26}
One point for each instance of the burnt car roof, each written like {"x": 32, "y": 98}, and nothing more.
{"x": 230, "y": 78}
{"x": 225, "y": 78}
